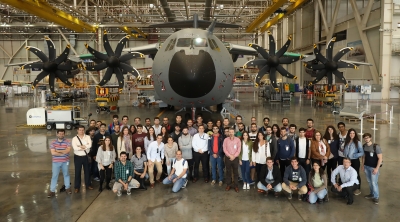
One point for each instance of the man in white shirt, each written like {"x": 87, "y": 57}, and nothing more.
{"x": 155, "y": 156}
{"x": 200, "y": 148}
{"x": 348, "y": 178}
{"x": 303, "y": 150}
{"x": 157, "y": 126}
{"x": 178, "y": 173}
{"x": 81, "y": 145}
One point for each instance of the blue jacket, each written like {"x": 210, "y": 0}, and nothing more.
{"x": 352, "y": 151}
{"x": 220, "y": 145}
{"x": 282, "y": 153}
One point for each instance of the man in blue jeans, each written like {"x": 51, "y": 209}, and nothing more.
{"x": 178, "y": 173}
{"x": 372, "y": 161}
{"x": 60, "y": 149}
{"x": 215, "y": 146}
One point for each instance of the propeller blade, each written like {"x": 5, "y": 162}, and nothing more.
{"x": 255, "y": 62}
{"x": 320, "y": 75}
{"x": 314, "y": 66}
{"x": 129, "y": 56}
{"x": 106, "y": 77}
{"x": 329, "y": 49}
{"x": 129, "y": 69}
{"x": 38, "y": 65}
{"x": 285, "y": 73}
{"x": 271, "y": 43}
{"x": 342, "y": 64}
{"x": 260, "y": 50}
{"x": 39, "y": 78}
{"x": 52, "y": 78}
{"x": 38, "y": 53}
{"x": 64, "y": 67}
{"x": 121, "y": 45}
{"x": 64, "y": 56}
{"x": 284, "y": 48}
{"x": 96, "y": 53}
{"x": 107, "y": 45}
{"x": 261, "y": 73}
{"x": 341, "y": 53}
{"x": 339, "y": 74}
{"x": 51, "y": 47}
{"x": 272, "y": 77}
{"x": 97, "y": 67}
{"x": 289, "y": 60}
{"x": 330, "y": 80}
{"x": 63, "y": 78}
{"x": 120, "y": 78}
{"x": 318, "y": 55}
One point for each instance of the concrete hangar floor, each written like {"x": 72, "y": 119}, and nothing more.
{"x": 25, "y": 173}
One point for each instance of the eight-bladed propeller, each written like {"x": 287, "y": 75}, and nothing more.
{"x": 114, "y": 62}
{"x": 52, "y": 66}
{"x": 329, "y": 65}
{"x": 272, "y": 61}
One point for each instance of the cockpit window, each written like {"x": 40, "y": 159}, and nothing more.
{"x": 216, "y": 46}
{"x": 195, "y": 42}
{"x": 170, "y": 45}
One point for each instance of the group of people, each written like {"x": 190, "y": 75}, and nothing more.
{"x": 274, "y": 158}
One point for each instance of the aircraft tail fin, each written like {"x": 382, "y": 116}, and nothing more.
{"x": 210, "y": 28}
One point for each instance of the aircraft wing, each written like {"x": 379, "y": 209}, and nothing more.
{"x": 20, "y": 63}
{"x": 357, "y": 63}
{"x": 151, "y": 49}
{"x": 240, "y": 50}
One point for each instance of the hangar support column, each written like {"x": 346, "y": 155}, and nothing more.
{"x": 385, "y": 46}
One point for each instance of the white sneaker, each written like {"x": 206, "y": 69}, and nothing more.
{"x": 119, "y": 193}
{"x": 96, "y": 179}
{"x": 128, "y": 191}
{"x": 248, "y": 186}
{"x": 184, "y": 185}
{"x": 244, "y": 187}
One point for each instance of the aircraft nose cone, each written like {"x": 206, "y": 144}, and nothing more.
{"x": 192, "y": 76}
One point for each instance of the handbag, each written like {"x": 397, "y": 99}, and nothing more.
{"x": 331, "y": 156}
{"x": 87, "y": 155}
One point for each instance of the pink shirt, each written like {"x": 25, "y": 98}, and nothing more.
{"x": 232, "y": 147}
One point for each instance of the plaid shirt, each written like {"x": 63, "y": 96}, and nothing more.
{"x": 123, "y": 171}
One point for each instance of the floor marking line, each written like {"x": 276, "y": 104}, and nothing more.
{"x": 161, "y": 113}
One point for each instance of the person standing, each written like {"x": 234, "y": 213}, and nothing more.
{"x": 185, "y": 145}
{"x": 310, "y": 129}
{"x": 176, "y": 133}
{"x": 111, "y": 126}
{"x": 150, "y": 137}
{"x": 353, "y": 150}
{"x": 263, "y": 129}
{"x": 124, "y": 122}
{"x": 170, "y": 149}
{"x": 124, "y": 142}
{"x": 372, "y": 161}
{"x": 155, "y": 155}
{"x": 178, "y": 174}
{"x": 139, "y": 137}
{"x": 232, "y": 148}
{"x": 200, "y": 154}
{"x": 97, "y": 141}
{"x": 123, "y": 172}
{"x": 157, "y": 126}
{"x": 60, "y": 149}
{"x": 178, "y": 122}
{"x": 114, "y": 139}
{"x": 259, "y": 154}
{"x": 285, "y": 151}
{"x": 245, "y": 159}
{"x": 215, "y": 146}
{"x": 334, "y": 143}
{"x": 317, "y": 181}
{"x": 105, "y": 161}
{"x": 167, "y": 125}
{"x": 190, "y": 127}
{"x": 81, "y": 145}
{"x": 253, "y": 132}
{"x": 303, "y": 150}
{"x": 342, "y": 138}
{"x": 348, "y": 178}
{"x": 320, "y": 150}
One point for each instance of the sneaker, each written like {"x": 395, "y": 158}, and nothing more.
{"x": 51, "y": 194}
{"x": 69, "y": 191}
{"x": 369, "y": 196}
{"x": 220, "y": 183}
{"x": 240, "y": 179}
{"x": 128, "y": 191}
{"x": 289, "y": 196}
{"x": 184, "y": 185}
{"x": 357, "y": 192}
{"x": 213, "y": 183}
{"x": 244, "y": 187}
{"x": 248, "y": 186}
{"x": 119, "y": 193}
{"x": 375, "y": 200}
{"x": 299, "y": 196}
{"x": 96, "y": 179}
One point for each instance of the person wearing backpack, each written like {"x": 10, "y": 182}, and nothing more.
{"x": 372, "y": 161}
{"x": 178, "y": 173}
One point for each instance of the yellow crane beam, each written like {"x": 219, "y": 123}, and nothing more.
{"x": 263, "y": 16}
{"x": 44, "y": 10}
{"x": 128, "y": 31}
{"x": 289, "y": 10}
{"x": 140, "y": 32}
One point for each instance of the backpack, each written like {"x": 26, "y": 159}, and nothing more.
{"x": 374, "y": 147}
{"x": 183, "y": 162}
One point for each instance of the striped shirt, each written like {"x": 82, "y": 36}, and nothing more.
{"x": 60, "y": 146}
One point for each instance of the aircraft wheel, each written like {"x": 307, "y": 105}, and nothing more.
{"x": 97, "y": 110}
{"x": 49, "y": 126}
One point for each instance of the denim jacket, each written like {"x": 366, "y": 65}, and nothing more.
{"x": 353, "y": 152}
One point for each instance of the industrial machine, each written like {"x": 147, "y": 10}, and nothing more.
{"x": 58, "y": 117}
{"x": 107, "y": 98}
